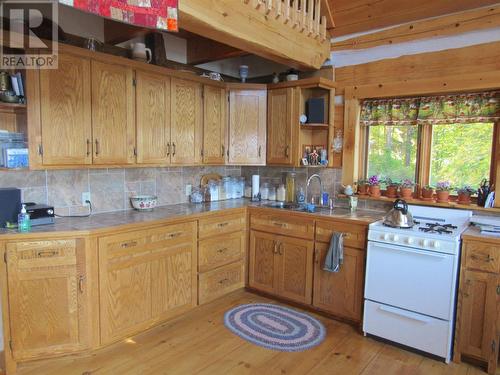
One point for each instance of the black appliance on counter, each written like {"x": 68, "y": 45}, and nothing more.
{"x": 10, "y": 205}
{"x": 40, "y": 214}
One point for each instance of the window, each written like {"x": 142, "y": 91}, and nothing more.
{"x": 431, "y": 139}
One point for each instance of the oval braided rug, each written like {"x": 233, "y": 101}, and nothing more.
{"x": 275, "y": 327}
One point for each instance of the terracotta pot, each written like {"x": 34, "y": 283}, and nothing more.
{"x": 363, "y": 189}
{"x": 375, "y": 191}
{"x": 463, "y": 198}
{"x": 427, "y": 194}
{"x": 406, "y": 193}
{"x": 443, "y": 196}
{"x": 391, "y": 191}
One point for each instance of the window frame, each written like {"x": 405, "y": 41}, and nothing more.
{"x": 424, "y": 154}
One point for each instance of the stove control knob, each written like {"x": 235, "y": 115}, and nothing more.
{"x": 425, "y": 243}
{"x": 386, "y": 236}
{"x": 382, "y": 236}
{"x": 395, "y": 238}
{"x": 436, "y": 245}
{"x": 409, "y": 240}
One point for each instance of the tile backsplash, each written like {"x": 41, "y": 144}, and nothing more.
{"x": 109, "y": 189}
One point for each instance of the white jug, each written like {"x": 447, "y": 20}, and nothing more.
{"x": 140, "y": 52}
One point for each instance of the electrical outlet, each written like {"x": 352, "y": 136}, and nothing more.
{"x": 189, "y": 189}
{"x": 85, "y": 197}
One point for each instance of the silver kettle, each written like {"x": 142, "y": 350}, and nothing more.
{"x": 399, "y": 216}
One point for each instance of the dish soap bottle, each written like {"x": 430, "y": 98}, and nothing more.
{"x": 23, "y": 220}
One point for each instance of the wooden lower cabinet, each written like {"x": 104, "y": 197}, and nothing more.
{"x": 145, "y": 277}
{"x": 48, "y": 297}
{"x": 220, "y": 281}
{"x": 281, "y": 266}
{"x": 478, "y": 310}
{"x": 341, "y": 293}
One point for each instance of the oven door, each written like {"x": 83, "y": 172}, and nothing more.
{"x": 412, "y": 279}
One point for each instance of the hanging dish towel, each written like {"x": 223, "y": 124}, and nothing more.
{"x": 335, "y": 256}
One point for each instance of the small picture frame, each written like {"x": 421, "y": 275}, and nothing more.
{"x": 304, "y": 161}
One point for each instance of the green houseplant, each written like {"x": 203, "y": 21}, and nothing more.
{"x": 391, "y": 190}
{"x": 374, "y": 182}
{"x": 428, "y": 193}
{"x": 406, "y": 189}
{"x": 363, "y": 187}
{"x": 443, "y": 189}
{"x": 464, "y": 194}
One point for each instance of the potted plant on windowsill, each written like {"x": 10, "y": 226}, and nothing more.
{"x": 464, "y": 194}
{"x": 391, "y": 190}
{"x": 443, "y": 191}
{"x": 428, "y": 193}
{"x": 406, "y": 189}
{"x": 363, "y": 187}
{"x": 374, "y": 182}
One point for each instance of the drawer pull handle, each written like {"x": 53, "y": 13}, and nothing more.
{"x": 221, "y": 225}
{"x": 498, "y": 289}
{"x": 223, "y": 281}
{"x": 81, "y": 280}
{"x": 129, "y": 244}
{"x": 173, "y": 235}
{"x": 487, "y": 259}
{"x": 275, "y": 249}
{"x": 223, "y": 250}
{"x": 47, "y": 254}
{"x": 281, "y": 225}
{"x": 280, "y": 249}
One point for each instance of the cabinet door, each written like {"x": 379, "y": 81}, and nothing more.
{"x": 214, "y": 125}
{"x": 263, "y": 261}
{"x": 124, "y": 284}
{"x": 186, "y": 122}
{"x": 478, "y": 313}
{"x": 173, "y": 272}
{"x": 153, "y": 118}
{"x": 280, "y": 122}
{"x": 295, "y": 269}
{"x": 247, "y": 127}
{"x": 340, "y": 293}
{"x": 113, "y": 117}
{"x": 47, "y": 297}
{"x": 66, "y": 112}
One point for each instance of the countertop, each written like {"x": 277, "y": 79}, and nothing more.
{"x": 126, "y": 219}
{"x": 474, "y": 233}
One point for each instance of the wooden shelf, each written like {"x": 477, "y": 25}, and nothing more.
{"x": 12, "y": 107}
{"x": 419, "y": 202}
{"x": 315, "y": 126}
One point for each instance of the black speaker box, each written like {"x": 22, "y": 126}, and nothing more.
{"x": 10, "y": 205}
{"x": 315, "y": 110}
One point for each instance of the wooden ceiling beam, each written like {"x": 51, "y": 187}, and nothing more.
{"x": 202, "y": 50}
{"x": 353, "y": 16}
{"x": 244, "y": 26}
{"x": 457, "y": 23}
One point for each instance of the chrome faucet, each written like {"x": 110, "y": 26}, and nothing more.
{"x": 320, "y": 188}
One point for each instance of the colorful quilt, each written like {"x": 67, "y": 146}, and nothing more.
{"x": 159, "y": 14}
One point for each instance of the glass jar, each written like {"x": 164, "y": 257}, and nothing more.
{"x": 272, "y": 193}
{"x": 248, "y": 191}
{"x": 281, "y": 193}
{"x": 196, "y": 195}
{"x": 240, "y": 187}
{"x": 214, "y": 188}
{"x": 264, "y": 191}
{"x": 290, "y": 187}
{"x": 226, "y": 183}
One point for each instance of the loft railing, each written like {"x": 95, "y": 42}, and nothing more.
{"x": 302, "y": 15}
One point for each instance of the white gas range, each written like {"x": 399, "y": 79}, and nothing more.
{"x": 411, "y": 280}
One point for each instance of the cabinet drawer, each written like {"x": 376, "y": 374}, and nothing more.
{"x": 221, "y": 224}
{"x": 482, "y": 256}
{"x": 301, "y": 227}
{"x": 221, "y": 281}
{"x": 354, "y": 235}
{"x": 172, "y": 235}
{"x": 50, "y": 253}
{"x": 218, "y": 251}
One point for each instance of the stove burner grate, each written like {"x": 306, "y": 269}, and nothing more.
{"x": 438, "y": 228}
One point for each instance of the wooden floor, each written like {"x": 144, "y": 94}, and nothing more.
{"x": 198, "y": 343}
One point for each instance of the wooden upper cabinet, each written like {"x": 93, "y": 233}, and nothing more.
{"x": 153, "y": 118}
{"x": 65, "y": 106}
{"x": 186, "y": 122}
{"x": 48, "y": 297}
{"x": 280, "y": 123}
{"x": 113, "y": 118}
{"x": 340, "y": 293}
{"x": 247, "y": 127}
{"x": 214, "y": 125}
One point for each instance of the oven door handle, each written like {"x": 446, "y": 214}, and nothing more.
{"x": 405, "y": 314}
{"x": 426, "y": 253}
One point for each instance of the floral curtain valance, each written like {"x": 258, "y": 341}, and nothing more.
{"x": 444, "y": 109}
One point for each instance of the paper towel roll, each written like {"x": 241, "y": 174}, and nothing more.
{"x": 255, "y": 185}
